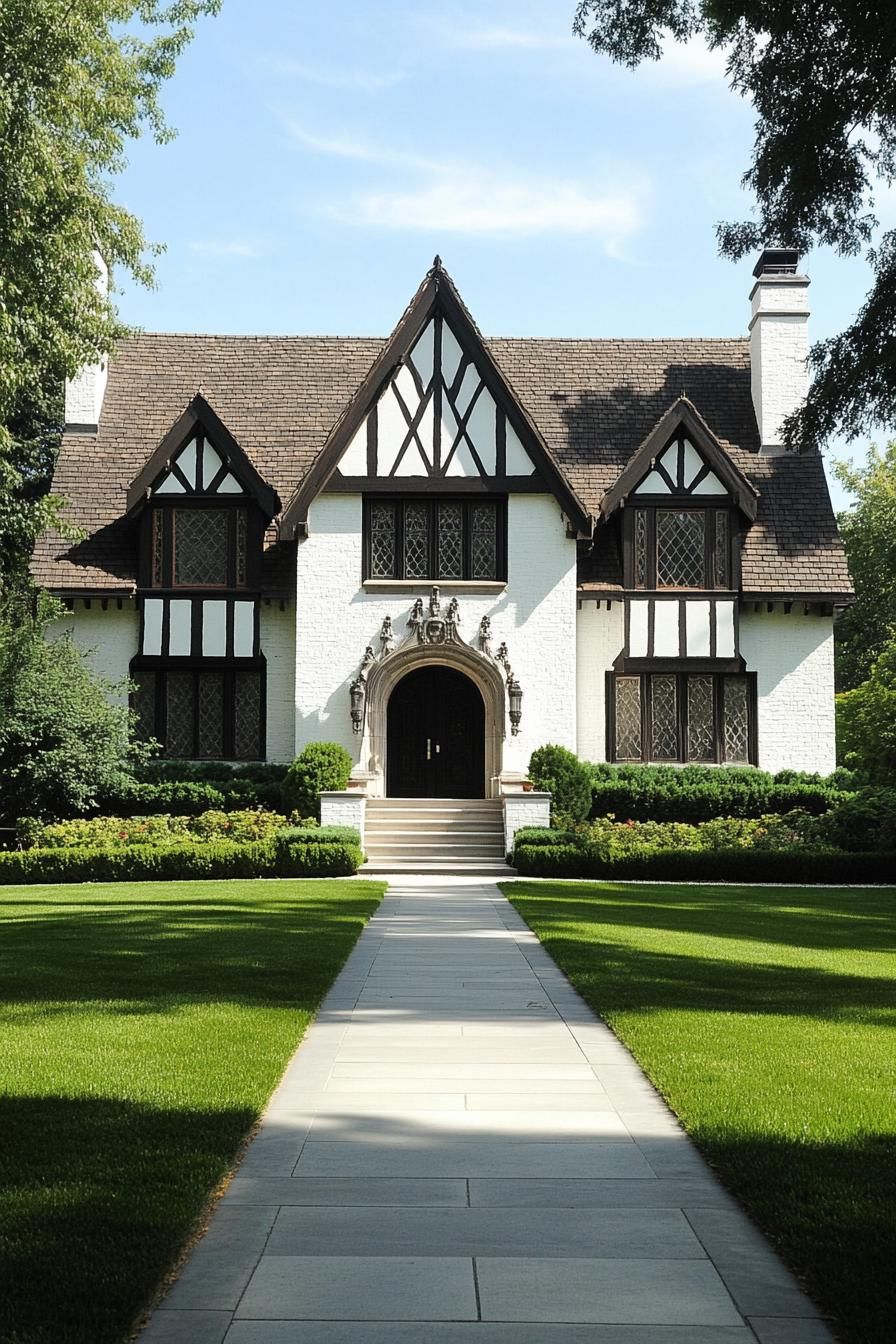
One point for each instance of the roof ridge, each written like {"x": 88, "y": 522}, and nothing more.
{"x": 540, "y": 340}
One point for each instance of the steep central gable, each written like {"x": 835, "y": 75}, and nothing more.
{"x": 436, "y": 417}
{"x": 435, "y": 411}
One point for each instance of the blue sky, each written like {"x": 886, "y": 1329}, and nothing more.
{"x": 325, "y": 154}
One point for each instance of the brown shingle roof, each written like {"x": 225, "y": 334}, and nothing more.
{"x": 593, "y": 401}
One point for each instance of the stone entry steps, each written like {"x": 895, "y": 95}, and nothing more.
{"x": 435, "y": 835}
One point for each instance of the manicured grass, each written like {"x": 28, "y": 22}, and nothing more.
{"x": 766, "y": 1018}
{"x": 142, "y": 1028}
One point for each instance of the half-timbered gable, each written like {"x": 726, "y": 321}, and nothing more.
{"x": 436, "y": 415}
{"x": 202, "y": 510}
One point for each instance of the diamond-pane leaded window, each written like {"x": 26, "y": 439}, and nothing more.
{"x": 211, "y": 714}
{"x": 179, "y": 725}
{"x": 664, "y": 719}
{"x": 679, "y": 548}
{"x": 451, "y": 541}
{"x": 143, "y": 703}
{"x": 247, "y": 715}
{"x": 628, "y": 718}
{"x": 485, "y": 542}
{"x": 737, "y": 740}
{"x": 200, "y": 548}
{"x": 416, "y": 541}
{"x": 722, "y": 551}
{"x": 701, "y": 721}
{"x": 382, "y": 541}
{"x": 430, "y": 539}
{"x": 640, "y": 548}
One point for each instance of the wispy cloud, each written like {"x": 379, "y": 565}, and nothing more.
{"x": 461, "y": 196}
{"x": 474, "y": 202}
{"x": 362, "y": 81}
{"x": 494, "y": 37}
{"x": 352, "y": 147}
{"x": 222, "y": 247}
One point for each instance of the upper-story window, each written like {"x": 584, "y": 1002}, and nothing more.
{"x": 680, "y": 529}
{"x": 681, "y": 548}
{"x": 428, "y": 539}
{"x": 199, "y": 547}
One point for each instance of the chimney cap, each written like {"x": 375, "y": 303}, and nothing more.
{"x": 777, "y": 261}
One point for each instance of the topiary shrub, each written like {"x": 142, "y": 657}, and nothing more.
{"x": 321, "y": 767}
{"x": 559, "y": 772}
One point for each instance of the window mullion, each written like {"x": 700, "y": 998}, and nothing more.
{"x": 646, "y": 717}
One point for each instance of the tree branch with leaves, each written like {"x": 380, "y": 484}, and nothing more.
{"x": 79, "y": 79}
{"x": 821, "y": 75}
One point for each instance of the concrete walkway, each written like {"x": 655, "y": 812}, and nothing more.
{"x": 461, "y": 1153}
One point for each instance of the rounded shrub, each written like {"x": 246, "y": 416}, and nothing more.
{"x": 322, "y": 766}
{"x": 559, "y": 772}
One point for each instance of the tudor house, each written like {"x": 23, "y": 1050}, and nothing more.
{"x": 444, "y": 551}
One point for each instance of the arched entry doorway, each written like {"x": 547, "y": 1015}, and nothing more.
{"x": 435, "y": 736}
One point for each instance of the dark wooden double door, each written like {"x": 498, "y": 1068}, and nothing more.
{"x": 436, "y": 736}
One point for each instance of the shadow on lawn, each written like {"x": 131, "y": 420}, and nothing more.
{"x": 96, "y": 1199}
{"x": 835, "y": 918}
{"x": 140, "y": 955}
{"x": 622, "y": 978}
{"x": 828, "y": 1209}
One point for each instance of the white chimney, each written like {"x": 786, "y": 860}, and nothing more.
{"x": 84, "y": 394}
{"x": 779, "y": 343}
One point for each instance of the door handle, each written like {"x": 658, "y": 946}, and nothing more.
{"x": 438, "y": 747}
{"x": 428, "y": 748}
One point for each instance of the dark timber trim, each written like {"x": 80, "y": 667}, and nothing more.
{"x": 437, "y": 296}
{"x": 199, "y": 415}
{"x": 681, "y": 416}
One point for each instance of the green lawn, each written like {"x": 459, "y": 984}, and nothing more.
{"x": 143, "y": 1027}
{"x": 766, "y": 1018}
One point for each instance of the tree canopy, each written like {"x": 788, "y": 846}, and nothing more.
{"x": 78, "y": 80}
{"x": 868, "y": 530}
{"x": 821, "y": 75}
{"x": 64, "y": 741}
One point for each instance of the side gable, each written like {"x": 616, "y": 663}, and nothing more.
{"x": 681, "y": 455}
{"x": 200, "y": 456}
{"x": 435, "y": 412}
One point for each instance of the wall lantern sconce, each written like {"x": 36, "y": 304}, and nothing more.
{"x": 357, "y": 693}
{"x": 515, "y": 696}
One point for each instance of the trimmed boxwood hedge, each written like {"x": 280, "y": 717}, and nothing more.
{"x": 286, "y": 856}
{"x": 700, "y": 793}
{"x": 565, "y": 859}
{"x": 188, "y": 798}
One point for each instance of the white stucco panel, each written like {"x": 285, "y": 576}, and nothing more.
{"x": 108, "y": 638}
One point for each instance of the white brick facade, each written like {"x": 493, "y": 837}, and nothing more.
{"x": 561, "y": 655}
{"x": 793, "y": 657}
{"x": 601, "y": 633}
{"x": 278, "y": 644}
{"x": 536, "y": 612}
